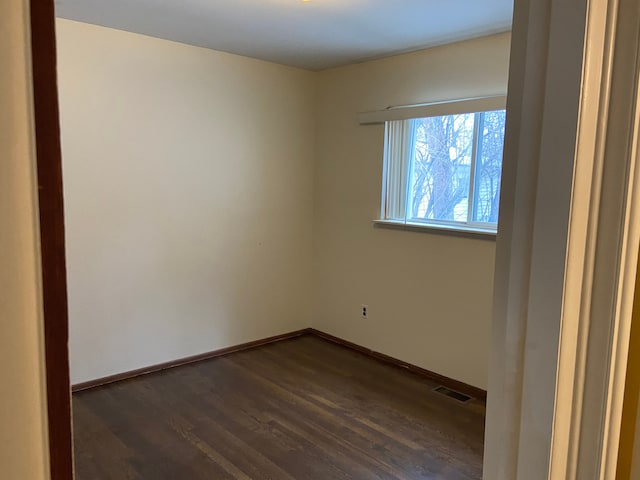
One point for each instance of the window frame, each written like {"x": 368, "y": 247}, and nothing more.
{"x": 475, "y": 106}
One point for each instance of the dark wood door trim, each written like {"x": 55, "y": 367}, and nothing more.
{"x": 52, "y": 240}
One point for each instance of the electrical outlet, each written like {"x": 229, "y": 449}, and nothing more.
{"x": 364, "y": 311}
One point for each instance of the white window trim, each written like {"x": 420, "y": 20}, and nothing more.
{"x": 396, "y": 196}
{"x": 436, "y": 228}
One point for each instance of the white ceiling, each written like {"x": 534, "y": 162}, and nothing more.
{"x": 316, "y": 34}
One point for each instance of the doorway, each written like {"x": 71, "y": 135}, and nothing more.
{"x": 58, "y": 390}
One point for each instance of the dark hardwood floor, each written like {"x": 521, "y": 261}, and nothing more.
{"x": 298, "y": 409}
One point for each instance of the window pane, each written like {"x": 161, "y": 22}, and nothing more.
{"x": 440, "y": 176}
{"x": 489, "y": 167}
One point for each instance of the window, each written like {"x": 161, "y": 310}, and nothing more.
{"x": 444, "y": 170}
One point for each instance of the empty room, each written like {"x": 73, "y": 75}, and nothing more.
{"x": 318, "y": 239}
{"x": 280, "y": 230}
{"x": 247, "y": 297}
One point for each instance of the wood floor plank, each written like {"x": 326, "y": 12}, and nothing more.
{"x": 300, "y": 409}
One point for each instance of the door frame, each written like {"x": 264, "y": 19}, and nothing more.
{"x": 567, "y": 249}
{"x": 52, "y": 237}
{"x": 602, "y": 255}
{"x": 554, "y": 406}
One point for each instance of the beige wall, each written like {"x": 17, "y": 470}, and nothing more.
{"x": 189, "y": 190}
{"x": 200, "y": 238}
{"x": 23, "y": 452}
{"x": 429, "y": 295}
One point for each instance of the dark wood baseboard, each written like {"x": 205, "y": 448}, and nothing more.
{"x": 184, "y": 361}
{"x": 440, "y": 379}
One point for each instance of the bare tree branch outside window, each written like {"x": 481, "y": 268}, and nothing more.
{"x": 442, "y": 163}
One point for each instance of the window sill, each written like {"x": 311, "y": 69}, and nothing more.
{"x": 440, "y": 229}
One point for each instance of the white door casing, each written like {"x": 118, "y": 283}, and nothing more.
{"x": 568, "y": 242}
